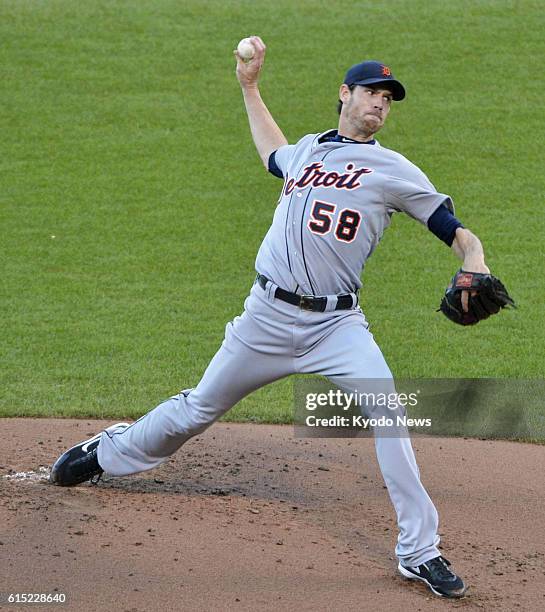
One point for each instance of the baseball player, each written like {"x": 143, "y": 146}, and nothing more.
{"x": 340, "y": 189}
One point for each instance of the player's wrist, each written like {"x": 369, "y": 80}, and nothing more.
{"x": 475, "y": 264}
{"x": 250, "y": 88}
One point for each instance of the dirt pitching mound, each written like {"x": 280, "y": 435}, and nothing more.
{"x": 246, "y": 517}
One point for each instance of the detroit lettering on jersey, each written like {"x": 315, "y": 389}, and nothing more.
{"x": 337, "y": 200}
{"x": 316, "y": 176}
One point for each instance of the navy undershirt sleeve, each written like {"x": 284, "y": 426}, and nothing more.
{"x": 444, "y": 224}
{"x": 273, "y": 166}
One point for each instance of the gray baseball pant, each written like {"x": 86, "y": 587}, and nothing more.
{"x": 271, "y": 340}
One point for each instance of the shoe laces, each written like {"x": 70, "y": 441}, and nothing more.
{"x": 440, "y": 566}
{"x": 96, "y": 478}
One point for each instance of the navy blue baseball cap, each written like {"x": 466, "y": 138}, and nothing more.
{"x": 374, "y": 73}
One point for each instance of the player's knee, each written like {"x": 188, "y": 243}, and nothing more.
{"x": 197, "y": 420}
{"x": 200, "y": 415}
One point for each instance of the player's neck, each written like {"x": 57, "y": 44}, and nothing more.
{"x": 348, "y": 132}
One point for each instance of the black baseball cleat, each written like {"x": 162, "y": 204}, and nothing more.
{"x": 80, "y": 463}
{"x": 437, "y": 575}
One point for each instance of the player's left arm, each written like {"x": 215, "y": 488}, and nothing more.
{"x": 462, "y": 241}
{"x": 470, "y": 250}
{"x": 476, "y": 293}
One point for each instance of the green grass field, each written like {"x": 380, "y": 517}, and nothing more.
{"x": 133, "y": 202}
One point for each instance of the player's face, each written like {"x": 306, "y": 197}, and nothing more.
{"x": 365, "y": 108}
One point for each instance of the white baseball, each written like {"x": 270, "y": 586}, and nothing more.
{"x": 245, "y": 49}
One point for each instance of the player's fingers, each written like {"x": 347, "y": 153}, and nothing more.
{"x": 243, "y": 65}
{"x": 258, "y": 45}
{"x": 465, "y": 301}
{"x": 258, "y": 40}
{"x": 240, "y": 61}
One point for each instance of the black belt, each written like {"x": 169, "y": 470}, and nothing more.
{"x": 308, "y": 302}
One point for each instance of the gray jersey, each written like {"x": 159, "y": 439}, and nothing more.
{"x": 337, "y": 200}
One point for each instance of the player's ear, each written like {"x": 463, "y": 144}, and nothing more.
{"x": 344, "y": 93}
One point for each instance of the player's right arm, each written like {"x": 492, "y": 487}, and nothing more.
{"x": 267, "y": 136}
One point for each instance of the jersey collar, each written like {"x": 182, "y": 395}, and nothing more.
{"x": 334, "y": 136}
